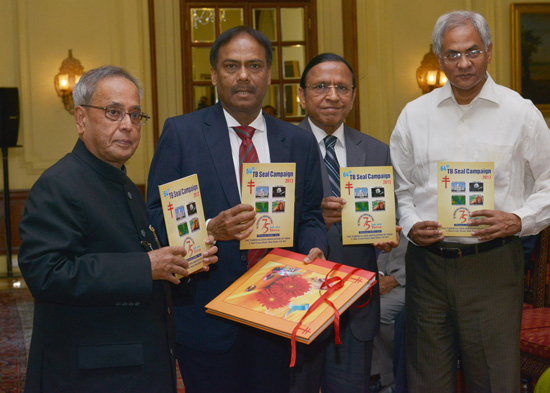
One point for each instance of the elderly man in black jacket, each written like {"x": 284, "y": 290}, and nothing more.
{"x": 102, "y": 318}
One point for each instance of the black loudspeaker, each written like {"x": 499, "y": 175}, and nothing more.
{"x": 9, "y": 116}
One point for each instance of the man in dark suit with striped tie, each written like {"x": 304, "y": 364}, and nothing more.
{"x": 214, "y": 354}
{"x": 327, "y": 92}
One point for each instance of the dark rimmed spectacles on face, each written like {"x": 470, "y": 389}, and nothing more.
{"x": 454, "y": 57}
{"x": 116, "y": 114}
{"x": 322, "y": 89}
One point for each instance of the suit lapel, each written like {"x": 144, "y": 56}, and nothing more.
{"x": 355, "y": 155}
{"x": 279, "y": 151}
{"x": 217, "y": 138}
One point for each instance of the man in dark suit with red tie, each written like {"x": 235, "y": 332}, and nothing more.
{"x": 215, "y": 354}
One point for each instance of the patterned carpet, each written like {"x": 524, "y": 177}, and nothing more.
{"x": 16, "y": 311}
{"x": 16, "y": 308}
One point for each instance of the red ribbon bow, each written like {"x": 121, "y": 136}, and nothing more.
{"x": 330, "y": 284}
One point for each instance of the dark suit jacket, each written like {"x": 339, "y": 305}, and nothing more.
{"x": 100, "y": 321}
{"x": 361, "y": 150}
{"x": 199, "y": 143}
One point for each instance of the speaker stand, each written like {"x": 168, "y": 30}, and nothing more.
{"x": 7, "y": 210}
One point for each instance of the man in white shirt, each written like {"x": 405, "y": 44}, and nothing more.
{"x": 464, "y": 294}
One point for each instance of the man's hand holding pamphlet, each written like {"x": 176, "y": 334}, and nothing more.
{"x": 184, "y": 218}
{"x": 369, "y": 213}
{"x": 462, "y": 188}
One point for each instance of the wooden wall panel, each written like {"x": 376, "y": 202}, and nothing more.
{"x": 17, "y": 204}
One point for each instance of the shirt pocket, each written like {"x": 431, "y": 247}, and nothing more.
{"x": 504, "y": 157}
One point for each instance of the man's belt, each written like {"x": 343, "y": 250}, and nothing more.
{"x": 451, "y": 250}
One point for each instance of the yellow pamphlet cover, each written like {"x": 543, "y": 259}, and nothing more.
{"x": 369, "y": 213}
{"x": 184, "y": 218}
{"x": 270, "y": 189}
{"x": 276, "y": 293}
{"x": 463, "y": 187}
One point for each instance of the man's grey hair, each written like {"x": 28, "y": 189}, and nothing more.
{"x": 454, "y": 19}
{"x": 84, "y": 89}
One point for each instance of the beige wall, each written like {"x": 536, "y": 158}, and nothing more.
{"x": 36, "y": 38}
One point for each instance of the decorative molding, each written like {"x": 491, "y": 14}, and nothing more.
{"x": 375, "y": 74}
{"x": 168, "y": 58}
{"x": 349, "y": 13}
{"x": 35, "y": 157}
{"x": 488, "y": 8}
{"x": 47, "y": 131}
{"x": 153, "y": 57}
{"x": 330, "y": 26}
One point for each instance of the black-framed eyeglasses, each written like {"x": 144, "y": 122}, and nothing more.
{"x": 116, "y": 114}
{"x": 323, "y": 88}
{"x": 454, "y": 57}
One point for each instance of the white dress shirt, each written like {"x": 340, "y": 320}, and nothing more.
{"x": 259, "y": 140}
{"x": 339, "y": 147}
{"x": 499, "y": 126}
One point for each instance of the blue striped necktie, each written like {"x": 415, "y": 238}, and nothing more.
{"x": 333, "y": 168}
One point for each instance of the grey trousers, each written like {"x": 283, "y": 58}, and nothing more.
{"x": 470, "y": 305}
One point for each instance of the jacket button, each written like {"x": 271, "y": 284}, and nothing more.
{"x": 244, "y": 258}
{"x": 143, "y": 233}
{"x": 130, "y": 196}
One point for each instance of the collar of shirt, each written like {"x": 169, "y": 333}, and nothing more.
{"x": 259, "y": 139}
{"x": 488, "y": 92}
{"x": 258, "y": 124}
{"x": 339, "y": 148}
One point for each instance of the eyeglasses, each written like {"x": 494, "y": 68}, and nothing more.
{"x": 136, "y": 117}
{"x": 322, "y": 89}
{"x": 454, "y": 57}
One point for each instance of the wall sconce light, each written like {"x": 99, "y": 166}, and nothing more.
{"x": 429, "y": 76}
{"x": 69, "y": 74}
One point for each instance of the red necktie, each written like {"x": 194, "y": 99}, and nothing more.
{"x": 247, "y": 153}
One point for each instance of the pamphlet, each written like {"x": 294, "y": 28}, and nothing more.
{"x": 184, "y": 218}
{"x": 369, "y": 214}
{"x": 462, "y": 188}
{"x": 270, "y": 189}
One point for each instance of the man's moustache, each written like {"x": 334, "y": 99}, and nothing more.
{"x": 249, "y": 89}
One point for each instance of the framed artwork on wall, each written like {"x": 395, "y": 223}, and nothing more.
{"x": 530, "y": 27}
